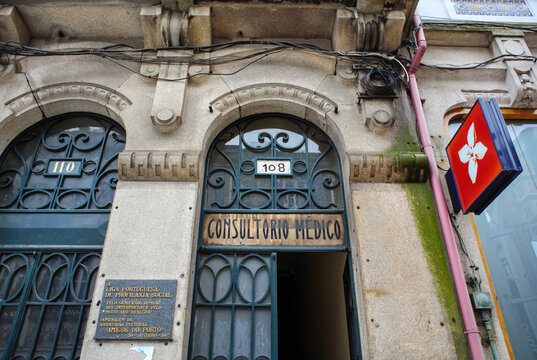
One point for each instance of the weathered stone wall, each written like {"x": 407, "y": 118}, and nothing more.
{"x": 407, "y": 307}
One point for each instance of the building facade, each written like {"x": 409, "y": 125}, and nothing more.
{"x": 234, "y": 180}
{"x": 488, "y": 51}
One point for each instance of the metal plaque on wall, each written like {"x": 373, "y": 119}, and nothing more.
{"x": 137, "y": 309}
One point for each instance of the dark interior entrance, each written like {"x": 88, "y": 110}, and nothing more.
{"x": 312, "y": 321}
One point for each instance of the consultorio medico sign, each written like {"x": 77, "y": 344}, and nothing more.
{"x": 273, "y": 229}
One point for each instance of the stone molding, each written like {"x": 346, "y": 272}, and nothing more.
{"x": 397, "y": 168}
{"x": 69, "y": 91}
{"x": 521, "y": 76}
{"x": 158, "y": 165}
{"x": 502, "y": 96}
{"x": 270, "y": 92}
{"x": 7, "y": 70}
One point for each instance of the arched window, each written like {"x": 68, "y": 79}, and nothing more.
{"x": 57, "y": 182}
{"x": 273, "y": 163}
{"x": 273, "y": 220}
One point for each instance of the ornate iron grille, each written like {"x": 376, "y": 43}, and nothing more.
{"x": 57, "y": 182}
{"x": 235, "y": 314}
{"x": 67, "y": 163}
{"x": 234, "y": 184}
{"x": 44, "y": 303}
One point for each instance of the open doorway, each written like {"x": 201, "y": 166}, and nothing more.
{"x": 312, "y": 319}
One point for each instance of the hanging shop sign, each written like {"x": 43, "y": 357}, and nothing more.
{"x": 137, "y": 310}
{"x": 273, "y": 229}
{"x": 482, "y": 157}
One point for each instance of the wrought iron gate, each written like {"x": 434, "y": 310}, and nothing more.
{"x": 235, "y": 307}
{"x": 267, "y": 165}
{"x": 57, "y": 182}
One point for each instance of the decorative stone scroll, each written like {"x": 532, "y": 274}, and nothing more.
{"x": 398, "y": 168}
{"x": 158, "y": 166}
{"x": 69, "y": 91}
{"x": 270, "y": 92}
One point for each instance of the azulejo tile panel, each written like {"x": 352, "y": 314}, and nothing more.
{"x": 518, "y": 8}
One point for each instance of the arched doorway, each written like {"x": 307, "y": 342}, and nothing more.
{"x": 57, "y": 183}
{"x": 273, "y": 277}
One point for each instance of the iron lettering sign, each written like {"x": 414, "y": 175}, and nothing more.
{"x": 482, "y": 157}
{"x": 273, "y": 229}
{"x": 137, "y": 310}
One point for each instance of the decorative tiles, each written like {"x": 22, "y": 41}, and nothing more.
{"x": 518, "y": 8}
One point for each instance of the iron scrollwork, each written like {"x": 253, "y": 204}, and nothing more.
{"x": 64, "y": 163}
{"x": 232, "y": 182}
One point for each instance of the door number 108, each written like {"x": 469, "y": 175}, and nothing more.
{"x": 273, "y": 167}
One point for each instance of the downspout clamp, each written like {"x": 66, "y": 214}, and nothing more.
{"x": 472, "y": 332}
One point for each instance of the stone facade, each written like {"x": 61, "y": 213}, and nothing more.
{"x": 172, "y": 110}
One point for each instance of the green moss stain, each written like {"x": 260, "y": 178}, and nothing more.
{"x": 404, "y": 142}
{"x": 422, "y": 207}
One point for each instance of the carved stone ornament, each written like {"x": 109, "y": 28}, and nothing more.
{"x": 395, "y": 4}
{"x": 69, "y": 91}
{"x": 158, "y": 166}
{"x": 521, "y": 79}
{"x": 398, "y": 168}
{"x": 6, "y": 70}
{"x": 501, "y": 96}
{"x": 291, "y": 93}
{"x": 527, "y": 89}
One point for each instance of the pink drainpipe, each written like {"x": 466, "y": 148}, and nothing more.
{"x": 474, "y": 338}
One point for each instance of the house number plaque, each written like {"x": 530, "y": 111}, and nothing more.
{"x": 137, "y": 310}
{"x": 273, "y": 167}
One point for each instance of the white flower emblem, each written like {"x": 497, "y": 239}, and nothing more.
{"x": 470, "y": 153}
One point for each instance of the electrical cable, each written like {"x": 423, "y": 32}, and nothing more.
{"x": 198, "y": 55}
{"x": 473, "y": 266}
{"x": 35, "y": 97}
{"x": 450, "y": 23}
{"x": 369, "y": 79}
{"x": 188, "y": 76}
{"x": 492, "y": 60}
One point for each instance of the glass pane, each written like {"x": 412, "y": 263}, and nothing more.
{"x": 14, "y": 277}
{"x": 508, "y": 231}
{"x": 262, "y": 333}
{"x": 222, "y": 332}
{"x": 202, "y": 332}
{"x": 7, "y": 318}
{"x": 242, "y": 336}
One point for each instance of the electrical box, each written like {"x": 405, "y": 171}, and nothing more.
{"x": 482, "y": 301}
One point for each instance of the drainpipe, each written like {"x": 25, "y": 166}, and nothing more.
{"x": 474, "y": 338}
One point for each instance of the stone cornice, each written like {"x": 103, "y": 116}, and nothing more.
{"x": 397, "y": 168}
{"x": 158, "y": 165}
